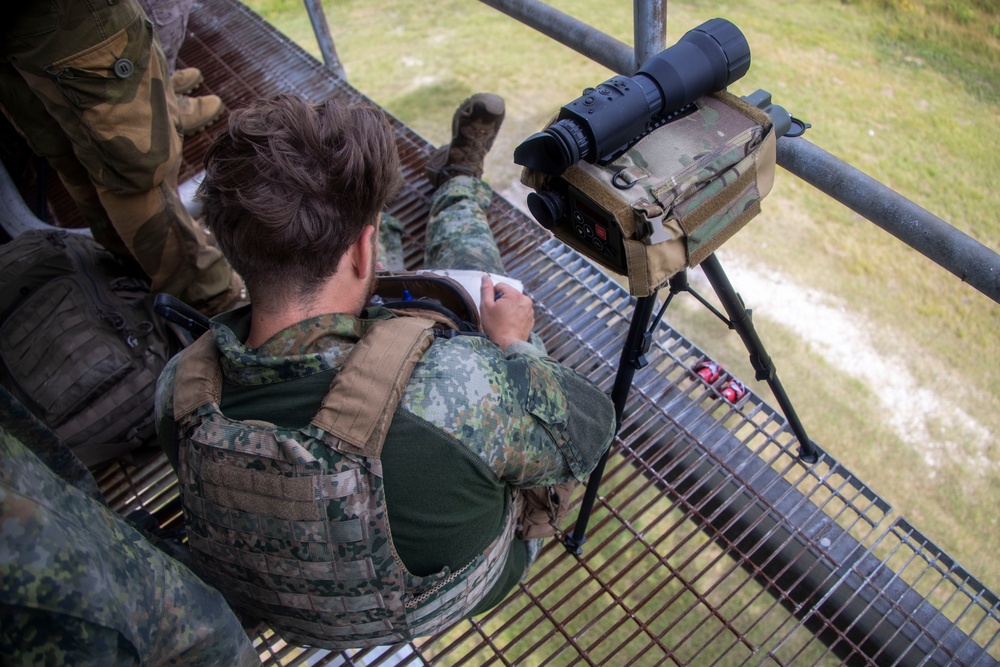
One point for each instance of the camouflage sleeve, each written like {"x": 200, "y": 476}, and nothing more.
{"x": 95, "y": 591}
{"x": 531, "y": 420}
{"x": 46, "y": 445}
{"x": 165, "y": 411}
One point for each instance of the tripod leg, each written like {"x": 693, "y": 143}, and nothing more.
{"x": 740, "y": 320}
{"x": 632, "y": 359}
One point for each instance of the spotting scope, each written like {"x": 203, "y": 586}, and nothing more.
{"x": 605, "y": 120}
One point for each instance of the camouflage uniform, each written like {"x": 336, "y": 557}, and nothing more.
{"x": 458, "y": 212}
{"x": 81, "y": 587}
{"x": 44, "y": 442}
{"x": 87, "y": 86}
{"x": 470, "y": 414}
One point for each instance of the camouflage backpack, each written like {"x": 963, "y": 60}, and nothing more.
{"x": 80, "y": 346}
{"x": 672, "y": 198}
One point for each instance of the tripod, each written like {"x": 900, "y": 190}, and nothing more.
{"x": 637, "y": 342}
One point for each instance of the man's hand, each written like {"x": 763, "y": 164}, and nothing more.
{"x": 506, "y": 314}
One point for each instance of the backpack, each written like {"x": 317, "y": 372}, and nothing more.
{"x": 80, "y": 346}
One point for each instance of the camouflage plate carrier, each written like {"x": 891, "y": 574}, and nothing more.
{"x": 302, "y": 541}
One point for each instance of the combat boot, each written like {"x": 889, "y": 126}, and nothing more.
{"x": 185, "y": 80}
{"x": 197, "y": 113}
{"x": 473, "y": 131}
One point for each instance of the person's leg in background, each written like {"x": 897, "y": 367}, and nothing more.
{"x": 102, "y": 77}
{"x": 458, "y": 235}
{"x": 170, "y": 18}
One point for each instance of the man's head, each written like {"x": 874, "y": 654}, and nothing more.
{"x": 291, "y": 185}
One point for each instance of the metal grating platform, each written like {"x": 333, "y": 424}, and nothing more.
{"x": 711, "y": 544}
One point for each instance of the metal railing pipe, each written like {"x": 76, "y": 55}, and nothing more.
{"x": 574, "y": 33}
{"x": 920, "y": 229}
{"x": 15, "y": 216}
{"x": 323, "y": 37}
{"x": 650, "y": 28}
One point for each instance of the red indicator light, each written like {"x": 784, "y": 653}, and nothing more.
{"x": 601, "y": 232}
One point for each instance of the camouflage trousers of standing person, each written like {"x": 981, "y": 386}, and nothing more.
{"x": 87, "y": 86}
{"x": 170, "y": 18}
{"x": 81, "y": 587}
{"x": 458, "y": 234}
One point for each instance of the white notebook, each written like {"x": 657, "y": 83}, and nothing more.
{"x": 472, "y": 280}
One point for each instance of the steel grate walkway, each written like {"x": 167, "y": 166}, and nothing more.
{"x": 711, "y": 544}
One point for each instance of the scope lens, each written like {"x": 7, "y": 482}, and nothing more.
{"x": 547, "y": 207}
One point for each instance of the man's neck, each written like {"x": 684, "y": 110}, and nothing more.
{"x": 347, "y": 290}
{"x": 267, "y": 319}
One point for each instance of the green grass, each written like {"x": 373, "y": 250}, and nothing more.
{"x": 908, "y": 91}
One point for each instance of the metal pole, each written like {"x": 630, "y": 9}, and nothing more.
{"x": 633, "y": 358}
{"x": 324, "y": 38}
{"x": 920, "y": 229}
{"x": 649, "y": 18}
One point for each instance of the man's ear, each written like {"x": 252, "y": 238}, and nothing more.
{"x": 362, "y": 255}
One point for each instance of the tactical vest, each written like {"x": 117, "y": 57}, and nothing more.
{"x": 303, "y": 541}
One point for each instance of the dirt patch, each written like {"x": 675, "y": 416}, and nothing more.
{"x": 929, "y": 418}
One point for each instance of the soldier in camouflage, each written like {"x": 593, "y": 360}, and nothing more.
{"x": 81, "y": 586}
{"x": 333, "y": 541}
{"x": 88, "y": 87}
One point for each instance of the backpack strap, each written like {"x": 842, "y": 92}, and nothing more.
{"x": 362, "y": 398}
{"x": 199, "y": 377}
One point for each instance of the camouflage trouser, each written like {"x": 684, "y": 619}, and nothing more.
{"x": 169, "y": 19}
{"x": 87, "y": 86}
{"x": 458, "y": 235}
{"x": 81, "y": 587}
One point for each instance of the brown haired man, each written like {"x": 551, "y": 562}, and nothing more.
{"x": 289, "y": 511}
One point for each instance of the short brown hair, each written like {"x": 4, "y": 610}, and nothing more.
{"x": 290, "y": 185}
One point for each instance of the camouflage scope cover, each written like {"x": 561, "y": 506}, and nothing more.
{"x": 674, "y": 197}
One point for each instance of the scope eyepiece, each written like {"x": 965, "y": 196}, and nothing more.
{"x": 604, "y": 120}
{"x": 559, "y": 144}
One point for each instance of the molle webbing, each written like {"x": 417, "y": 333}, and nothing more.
{"x": 302, "y": 540}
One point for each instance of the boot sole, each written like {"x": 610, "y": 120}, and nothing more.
{"x": 493, "y": 103}
{"x": 205, "y": 123}
{"x": 192, "y": 86}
